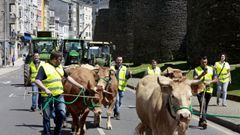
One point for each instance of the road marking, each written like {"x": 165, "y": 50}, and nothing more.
{"x": 25, "y": 92}
{"x": 6, "y": 82}
{"x": 216, "y": 126}
{"x": 11, "y": 95}
{"x": 101, "y": 132}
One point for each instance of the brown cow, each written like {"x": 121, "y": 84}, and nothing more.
{"x": 106, "y": 81}
{"x": 163, "y": 104}
{"x": 86, "y": 78}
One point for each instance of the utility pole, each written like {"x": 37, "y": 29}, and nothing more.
{"x": 5, "y": 32}
{"x": 77, "y": 18}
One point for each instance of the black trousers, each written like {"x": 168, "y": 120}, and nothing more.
{"x": 206, "y": 99}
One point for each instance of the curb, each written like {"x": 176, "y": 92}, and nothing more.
{"x": 18, "y": 64}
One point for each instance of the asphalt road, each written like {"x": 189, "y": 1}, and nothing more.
{"x": 17, "y": 119}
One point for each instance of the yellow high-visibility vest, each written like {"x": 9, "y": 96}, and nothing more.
{"x": 151, "y": 71}
{"x": 122, "y": 81}
{"x": 54, "y": 79}
{"x": 206, "y": 77}
{"x": 34, "y": 70}
{"x": 225, "y": 75}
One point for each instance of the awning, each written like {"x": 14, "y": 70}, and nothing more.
{"x": 26, "y": 38}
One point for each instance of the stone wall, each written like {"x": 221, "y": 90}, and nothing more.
{"x": 213, "y": 28}
{"x": 143, "y": 30}
{"x": 160, "y": 28}
{"x": 121, "y": 28}
{"x": 101, "y": 31}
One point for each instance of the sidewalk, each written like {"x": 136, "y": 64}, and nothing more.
{"x": 18, "y": 64}
{"x": 232, "y": 109}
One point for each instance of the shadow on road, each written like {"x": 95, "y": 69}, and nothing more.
{"x": 195, "y": 127}
{"x": 18, "y": 85}
{"x": 65, "y": 131}
{"x": 22, "y": 110}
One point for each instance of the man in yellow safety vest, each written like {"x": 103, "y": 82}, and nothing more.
{"x": 224, "y": 78}
{"x": 49, "y": 80}
{"x": 153, "y": 69}
{"x": 34, "y": 66}
{"x": 122, "y": 74}
{"x": 208, "y": 75}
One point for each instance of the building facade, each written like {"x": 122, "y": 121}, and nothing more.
{"x": 85, "y": 22}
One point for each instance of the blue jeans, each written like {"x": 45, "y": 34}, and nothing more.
{"x": 57, "y": 110}
{"x": 34, "y": 96}
{"x": 222, "y": 88}
{"x": 118, "y": 101}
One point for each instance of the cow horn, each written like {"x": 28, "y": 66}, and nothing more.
{"x": 107, "y": 92}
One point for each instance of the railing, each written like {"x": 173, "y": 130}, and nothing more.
{"x": 12, "y": 2}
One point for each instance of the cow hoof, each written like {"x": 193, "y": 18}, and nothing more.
{"x": 109, "y": 127}
{"x": 203, "y": 124}
{"x": 64, "y": 125}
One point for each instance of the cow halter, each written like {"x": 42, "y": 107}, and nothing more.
{"x": 174, "y": 108}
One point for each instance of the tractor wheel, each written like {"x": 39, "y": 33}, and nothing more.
{"x": 26, "y": 75}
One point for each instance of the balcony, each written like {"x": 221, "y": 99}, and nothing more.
{"x": 12, "y": 18}
{"x": 70, "y": 11}
{"x": 20, "y": 7}
{"x": 12, "y": 2}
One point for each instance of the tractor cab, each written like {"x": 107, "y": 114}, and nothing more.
{"x": 73, "y": 51}
{"x": 98, "y": 53}
{"x": 44, "y": 44}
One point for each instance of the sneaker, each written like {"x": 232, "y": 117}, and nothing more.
{"x": 33, "y": 109}
{"x": 202, "y": 124}
{"x": 224, "y": 105}
{"x": 117, "y": 116}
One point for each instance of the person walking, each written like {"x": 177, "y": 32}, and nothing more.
{"x": 153, "y": 69}
{"x": 49, "y": 80}
{"x": 207, "y": 74}
{"x": 13, "y": 60}
{"x": 34, "y": 66}
{"x": 224, "y": 78}
{"x": 122, "y": 74}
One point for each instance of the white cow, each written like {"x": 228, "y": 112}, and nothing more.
{"x": 163, "y": 104}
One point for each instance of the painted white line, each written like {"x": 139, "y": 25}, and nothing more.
{"x": 25, "y": 92}
{"x": 11, "y": 95}
{"x": 6, "y": 82}
{"x": 101, "y": 132}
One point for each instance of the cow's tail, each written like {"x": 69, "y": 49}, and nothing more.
{"x": 140, "y": 129}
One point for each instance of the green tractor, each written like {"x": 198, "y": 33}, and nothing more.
{"x": 98, "y": 53}
{"x": 44, "y": 44}
{"x": 73, "y": 51}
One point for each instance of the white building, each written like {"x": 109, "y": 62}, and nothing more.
{"x": 27, "y": 16}
{"x": 85, "y": 22}
{"x": 63, "y": 30}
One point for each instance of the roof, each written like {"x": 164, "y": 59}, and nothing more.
{"x": 98, "y": 43}
{"x": 43, "y": 38}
